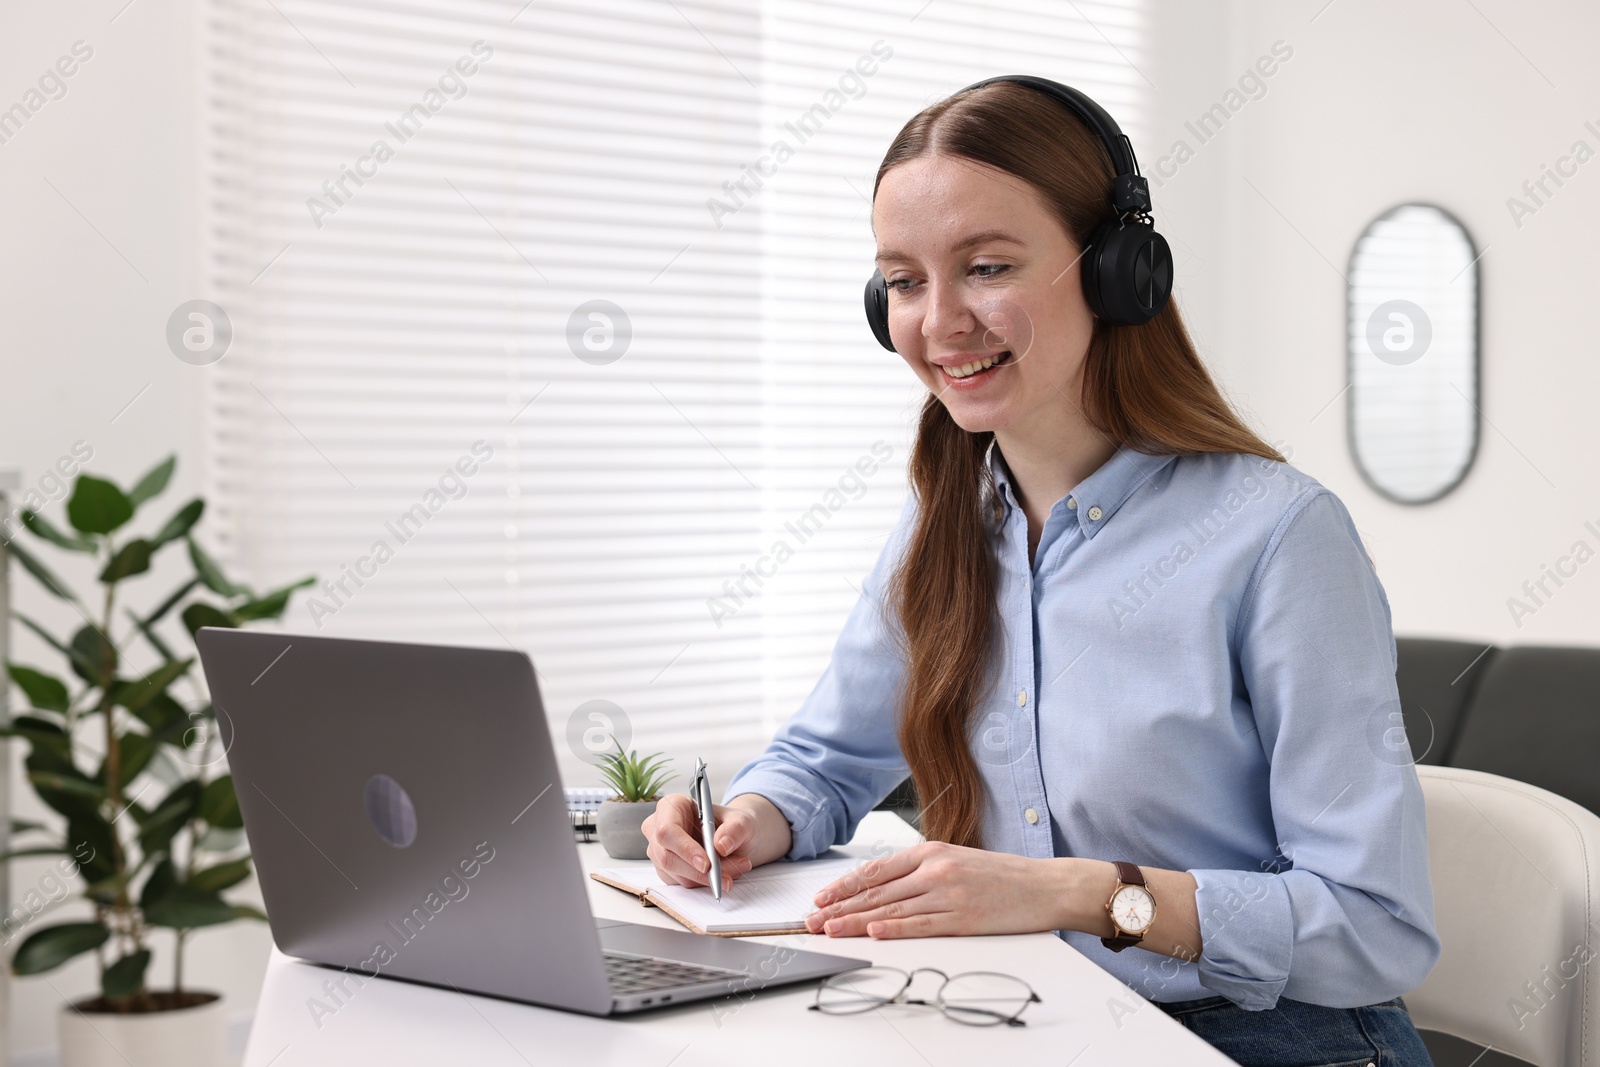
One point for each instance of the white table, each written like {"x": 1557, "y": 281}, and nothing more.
{"x": 393, "y": 1022}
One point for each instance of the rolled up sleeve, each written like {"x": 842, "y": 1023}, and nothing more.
{"x": 839, "y": 755}
{"x": 1344, "y": 915}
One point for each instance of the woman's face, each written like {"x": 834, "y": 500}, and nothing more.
{"x": 979, "y": 270}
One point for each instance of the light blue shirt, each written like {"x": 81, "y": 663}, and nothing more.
{"x": 1197, "y": 674}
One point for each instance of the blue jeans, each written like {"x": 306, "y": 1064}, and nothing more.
{"x": 1296, "y": 1034}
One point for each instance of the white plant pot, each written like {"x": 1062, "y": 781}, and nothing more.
{"x": 186, "y": 1037}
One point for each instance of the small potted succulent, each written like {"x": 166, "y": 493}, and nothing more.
{"x": 638, "y": 784}
{"x": 129, "y": 763}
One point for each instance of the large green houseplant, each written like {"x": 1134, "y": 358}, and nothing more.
{"x": 129, "y": 758}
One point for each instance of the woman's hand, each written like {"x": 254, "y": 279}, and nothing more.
{"x": 937, "y": 889}
{"x": 673, "y": 832}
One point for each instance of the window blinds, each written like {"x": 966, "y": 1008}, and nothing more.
{"x": 542, "y": 340}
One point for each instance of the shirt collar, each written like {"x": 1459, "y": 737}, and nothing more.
{"x": 1098, "y": 497}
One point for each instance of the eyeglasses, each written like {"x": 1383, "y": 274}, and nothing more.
{"x": 976, "y": 998}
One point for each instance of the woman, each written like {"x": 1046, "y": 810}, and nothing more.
{"x": 1121, "y": 646}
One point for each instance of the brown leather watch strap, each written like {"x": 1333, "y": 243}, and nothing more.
{"x": 1127, "y": 874}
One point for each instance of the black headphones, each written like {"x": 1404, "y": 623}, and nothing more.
{"x": 1127, "y": 266}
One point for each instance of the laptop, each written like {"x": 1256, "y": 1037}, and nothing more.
{"x": 407, "y": 820}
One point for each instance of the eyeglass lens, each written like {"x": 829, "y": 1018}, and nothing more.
{"x": 863, "y": 990}
{"x": 983, "y": 998}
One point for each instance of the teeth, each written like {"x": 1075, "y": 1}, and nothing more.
{"x": 968, "y": 369}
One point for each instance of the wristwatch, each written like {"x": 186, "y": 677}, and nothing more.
{"x": 1132, "y": 908}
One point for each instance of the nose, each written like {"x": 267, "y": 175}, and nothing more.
{"x": 946, "y": 313}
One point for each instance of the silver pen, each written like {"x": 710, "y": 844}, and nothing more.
{"x": 701, "y": 788}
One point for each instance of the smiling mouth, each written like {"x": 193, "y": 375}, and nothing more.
{"x": 977, "y": 366}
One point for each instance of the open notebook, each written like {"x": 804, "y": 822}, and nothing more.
{"x": 772, "y": 899}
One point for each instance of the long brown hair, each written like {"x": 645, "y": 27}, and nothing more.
{"x": 1143, "y": 386}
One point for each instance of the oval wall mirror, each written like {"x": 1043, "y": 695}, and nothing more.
{"x": 1413, "y": 353}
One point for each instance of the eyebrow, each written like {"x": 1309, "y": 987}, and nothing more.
{"x": 981, "y": 237}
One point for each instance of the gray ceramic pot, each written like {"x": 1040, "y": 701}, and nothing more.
{"x": 618, "y": 823}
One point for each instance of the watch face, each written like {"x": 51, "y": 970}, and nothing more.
{"x": 1133, "y": 908}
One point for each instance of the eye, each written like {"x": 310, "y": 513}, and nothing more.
{"x": 989, "y": 270}
{"x": 894, "y": 283}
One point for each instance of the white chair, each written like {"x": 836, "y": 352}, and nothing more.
{"x": 1516, "y": 888}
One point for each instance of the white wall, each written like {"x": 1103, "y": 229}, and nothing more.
{"x": 1381, "y": 103}
{"x": 83, "y": 333}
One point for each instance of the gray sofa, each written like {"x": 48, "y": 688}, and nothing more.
{"x": 1526, "y": 711}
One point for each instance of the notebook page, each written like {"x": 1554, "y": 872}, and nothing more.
{"x": 772, "y": 896}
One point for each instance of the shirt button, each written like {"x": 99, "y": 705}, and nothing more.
{"x": 1072, "y": 502}
{"x": 1022, "y": 698}
{"x": 1094, "y": 514}
{"x": 1031, "y": 815}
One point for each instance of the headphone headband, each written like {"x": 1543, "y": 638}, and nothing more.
{"x": 1130, "y": 192}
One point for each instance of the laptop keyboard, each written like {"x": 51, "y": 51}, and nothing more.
{"x": 639, "y": 974}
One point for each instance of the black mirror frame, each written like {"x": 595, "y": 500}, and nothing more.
{"x": 1477, "y": 357}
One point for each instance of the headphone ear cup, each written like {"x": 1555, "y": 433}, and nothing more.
{"x": 877, "y": 303}
{"x": 1127, "y": 275}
